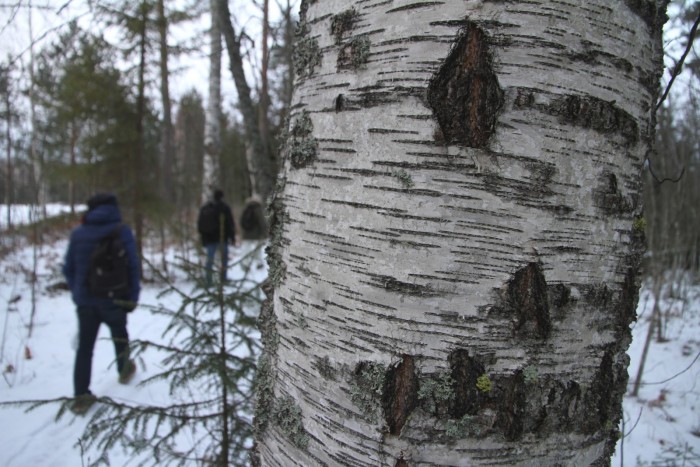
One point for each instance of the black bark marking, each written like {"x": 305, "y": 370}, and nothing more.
{"x": 598, "y": 295}
{"x": 592, "y": 56}
{"x": 465, "y": 371}
{"x": 339, "y": 103}
{"x": 400, "y": 395}
{"x": 401, "y": 463}
{"x": 464, "y": 94}
{"x": 564, "y": 399}
{"x": 584, "y": 111}
{"x": 599, "y": 115}
{"x": 525, "y": 98}
{"x": 527, "y": 297}
{"x": 512, "y": 411}
{"x": 600, "y": 395}
{"x": 608, "y": 198}
{"x": 404, "y": 288}
{"x": 343, "y": 23}
{"x": 325, "y": 368}
{"x": 414, "y": 6}
{"x": 627, "y": 303}
{"x": 373, "y": 96}
{"x": 654, "y": 17}
{"x": 559, "y": 295}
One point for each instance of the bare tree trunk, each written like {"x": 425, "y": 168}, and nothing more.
{"x": 139, "y": 153}
{"x": 9, "y": 198}
{"x": 39, "y": 200}
{"x": 654, "y": 321}
{"x": 212, "y": 129}
{"x": 453, "y": 263}
{"x": 264, "y": 104}
{"x": 167, "y": 183}
{"x": 71, "y": 182}
{"x": 264, "y": 170}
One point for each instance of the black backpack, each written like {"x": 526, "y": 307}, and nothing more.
{"x": 208, "y": 221}
{"x": 108, "y": 272}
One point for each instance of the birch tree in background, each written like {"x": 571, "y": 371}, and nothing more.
{"x": 454, "y": 259}
{"x": 212, "y": 126}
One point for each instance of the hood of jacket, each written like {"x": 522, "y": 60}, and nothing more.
{"x": 103, "y": 214}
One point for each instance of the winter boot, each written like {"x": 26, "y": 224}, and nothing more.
{"x": 82, "y": 403}
{"x": 128, "y": 372}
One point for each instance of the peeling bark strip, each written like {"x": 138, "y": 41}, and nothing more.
{"x": 400, "y": 394}
{"x": 464, "y": 94}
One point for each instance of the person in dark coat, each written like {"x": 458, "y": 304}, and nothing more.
{"x": 213, "y": 240}
{"x": 102, "y": 218}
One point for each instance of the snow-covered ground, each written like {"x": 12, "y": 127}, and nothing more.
{"x": 40, "y": 366}
{"x": 663, "y": 421}
{"x": 662, "y": 424}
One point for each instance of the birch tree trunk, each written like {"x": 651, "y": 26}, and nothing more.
{"x": 212, "y": 121}
{"x": 454, "y": 262}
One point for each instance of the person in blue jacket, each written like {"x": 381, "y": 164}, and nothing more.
{"x": 102, "y": 217}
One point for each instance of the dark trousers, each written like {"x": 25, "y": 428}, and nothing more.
{"x": 212, "y": 248}
{"x": 89, "y": 319}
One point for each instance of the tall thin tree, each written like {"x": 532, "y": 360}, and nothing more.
{"x": 167, "y": 157}
{"x": 212, "y": 128}
{"x": 264, "y": 167}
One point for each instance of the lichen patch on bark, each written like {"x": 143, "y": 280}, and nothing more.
{"x": 464, "y": 94}
{"x": 342, "y": 23}
{"x": 303, "y": 146}
{"x": 354, "y": 53}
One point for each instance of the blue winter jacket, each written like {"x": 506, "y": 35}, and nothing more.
{"x": 97, "y": 223}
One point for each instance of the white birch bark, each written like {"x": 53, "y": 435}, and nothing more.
{"x": 212, "y": 125}
{"x": 454, "y": 262}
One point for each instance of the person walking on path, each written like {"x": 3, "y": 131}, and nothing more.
{"x": 216, "y": 228}
{"x": 101, "y": 221}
